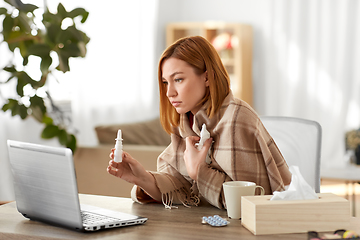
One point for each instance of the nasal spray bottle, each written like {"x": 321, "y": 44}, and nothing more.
{"x": 118, "y": 147}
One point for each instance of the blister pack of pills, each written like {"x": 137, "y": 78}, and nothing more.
{"x": 215, "y": 221}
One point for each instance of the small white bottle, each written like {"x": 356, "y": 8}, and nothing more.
{"x": 118, "y": 147}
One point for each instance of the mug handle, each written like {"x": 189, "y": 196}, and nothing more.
{"x": 262, "y": 190}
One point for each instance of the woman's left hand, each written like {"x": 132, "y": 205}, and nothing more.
{"x": 194, "y": 157}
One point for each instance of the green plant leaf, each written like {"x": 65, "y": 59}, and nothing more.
{"x": 26, "y": 79}
{"x": 5, "y": 107}
{"x": 3, "y": 11}
{"x": 24, "y": 22}
{"x": 79, "y": 12}
{"x": 74, "y": 33}
{"x": 76, "y": 12}
{"x": 63, "y": 37}
{"x": 86, "y": 39}
{"x": 47, "y": 120}
{"x": 82, "y": 48}
{"x": 40, "y": 50}
{"x": 15, "y": 38}
{"x": 11, "y": 77}
{"x": 8, "y": 24}
{"x": 22, "y": 111}
{"x": 37, "y": 113}
{"x": 71, "y": 143}
{"x": 21, "y": 6}
{"x": 23, "y": 80}
{"x": 12, "y": 46}
{"x": 63, "y": 62}
{"x": 71, "y": 50}
{"x": 36, "y": 101}
{"x": 43, "y": 51}
{"x": 49, "y": 18}
{"x": 85, "y": 17}
{"x": 45, "y": 64}
{"x": 10, "y": 69}
{"x": 25, "y": 61}
{"x": 28, "y": 8}
{"x": 9, "y": 105}
{"x": 23, "y": 51}
{"x": 14, "y": 110}
{"x": 13, "y": 3}
{"x": 18, "y": 34}
{"x": 63, "y": 137}
{"x": 50, "y": 131}
{"x": 62, "y": 11}
{"x": 20, "y": 85}
{"x": 42, "y": 81}
{"x": 53, "y": 31}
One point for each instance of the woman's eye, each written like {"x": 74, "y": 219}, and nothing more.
{"x": 178, "y": 79}
{"x": 165, "y": 83}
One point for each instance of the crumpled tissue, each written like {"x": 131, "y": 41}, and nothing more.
{"x": 204, "y": 135}
{"x": 298, "y": 189}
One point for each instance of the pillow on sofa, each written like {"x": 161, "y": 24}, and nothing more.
{"x": 140, "y": 133}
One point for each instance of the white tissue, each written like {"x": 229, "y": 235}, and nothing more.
{"x": 204, "y": 135}
{"x": 298, "y": 189}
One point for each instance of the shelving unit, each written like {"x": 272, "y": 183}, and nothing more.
{"x": 233, "y": 42}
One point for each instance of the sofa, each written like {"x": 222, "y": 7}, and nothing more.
{"x": 144, "y": 141}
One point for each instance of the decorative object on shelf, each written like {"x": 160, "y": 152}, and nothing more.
{"x": 352, "y": 143}
{"x": 51, "y": 36}
{"x": 224, "y": 43}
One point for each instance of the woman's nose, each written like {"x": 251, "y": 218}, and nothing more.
{"x": 171, "y": 92}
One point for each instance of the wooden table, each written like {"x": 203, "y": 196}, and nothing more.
{"x": 182, "y": 223}
{"x": 348, "y": 173}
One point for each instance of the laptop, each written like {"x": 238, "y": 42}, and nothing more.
{"x": 46, "y": 190}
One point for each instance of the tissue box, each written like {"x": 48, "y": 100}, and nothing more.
{"x": 262, "y": 216}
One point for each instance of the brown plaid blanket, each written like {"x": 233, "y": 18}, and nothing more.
{"x": 242, "y": 150}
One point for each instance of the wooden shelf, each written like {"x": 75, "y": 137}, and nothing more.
{"x": 237, "y": 58}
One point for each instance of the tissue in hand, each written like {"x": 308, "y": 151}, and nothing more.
{"x": 204, "y": 135}
{"x": 298, "y": 189}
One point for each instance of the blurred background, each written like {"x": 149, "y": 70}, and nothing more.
{"x": 305, "y": 63}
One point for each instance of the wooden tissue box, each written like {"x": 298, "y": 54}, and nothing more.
{"x": 262, "y": 216}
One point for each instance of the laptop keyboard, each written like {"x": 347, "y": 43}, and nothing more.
{"x": 95, "y": 219}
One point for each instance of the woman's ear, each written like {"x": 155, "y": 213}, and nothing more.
{"x": 206, "y": 79}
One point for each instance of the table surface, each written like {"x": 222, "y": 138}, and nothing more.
{"x": 182, "y": 223}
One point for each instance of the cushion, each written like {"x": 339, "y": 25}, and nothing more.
{"x": 140, "y": 133}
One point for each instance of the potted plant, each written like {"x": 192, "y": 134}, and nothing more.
{"x": 48, "y": 40}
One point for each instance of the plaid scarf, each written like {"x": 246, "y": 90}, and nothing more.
{"x": 242, "y": 150}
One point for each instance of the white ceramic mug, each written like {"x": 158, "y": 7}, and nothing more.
{"x": 233, "y": 191}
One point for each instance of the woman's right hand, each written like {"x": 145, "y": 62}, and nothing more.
{"x": 133, "y": 172}
{"x": 129, "y": 169}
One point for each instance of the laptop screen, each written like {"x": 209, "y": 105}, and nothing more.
{"x": 45, "y": 183}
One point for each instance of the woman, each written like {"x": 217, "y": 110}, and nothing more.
{"x": 195, "y": 90}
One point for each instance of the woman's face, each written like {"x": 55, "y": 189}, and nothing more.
{"x": 185, "y": 89}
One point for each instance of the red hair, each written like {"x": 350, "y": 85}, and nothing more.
{"x": 202, "y": 56}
